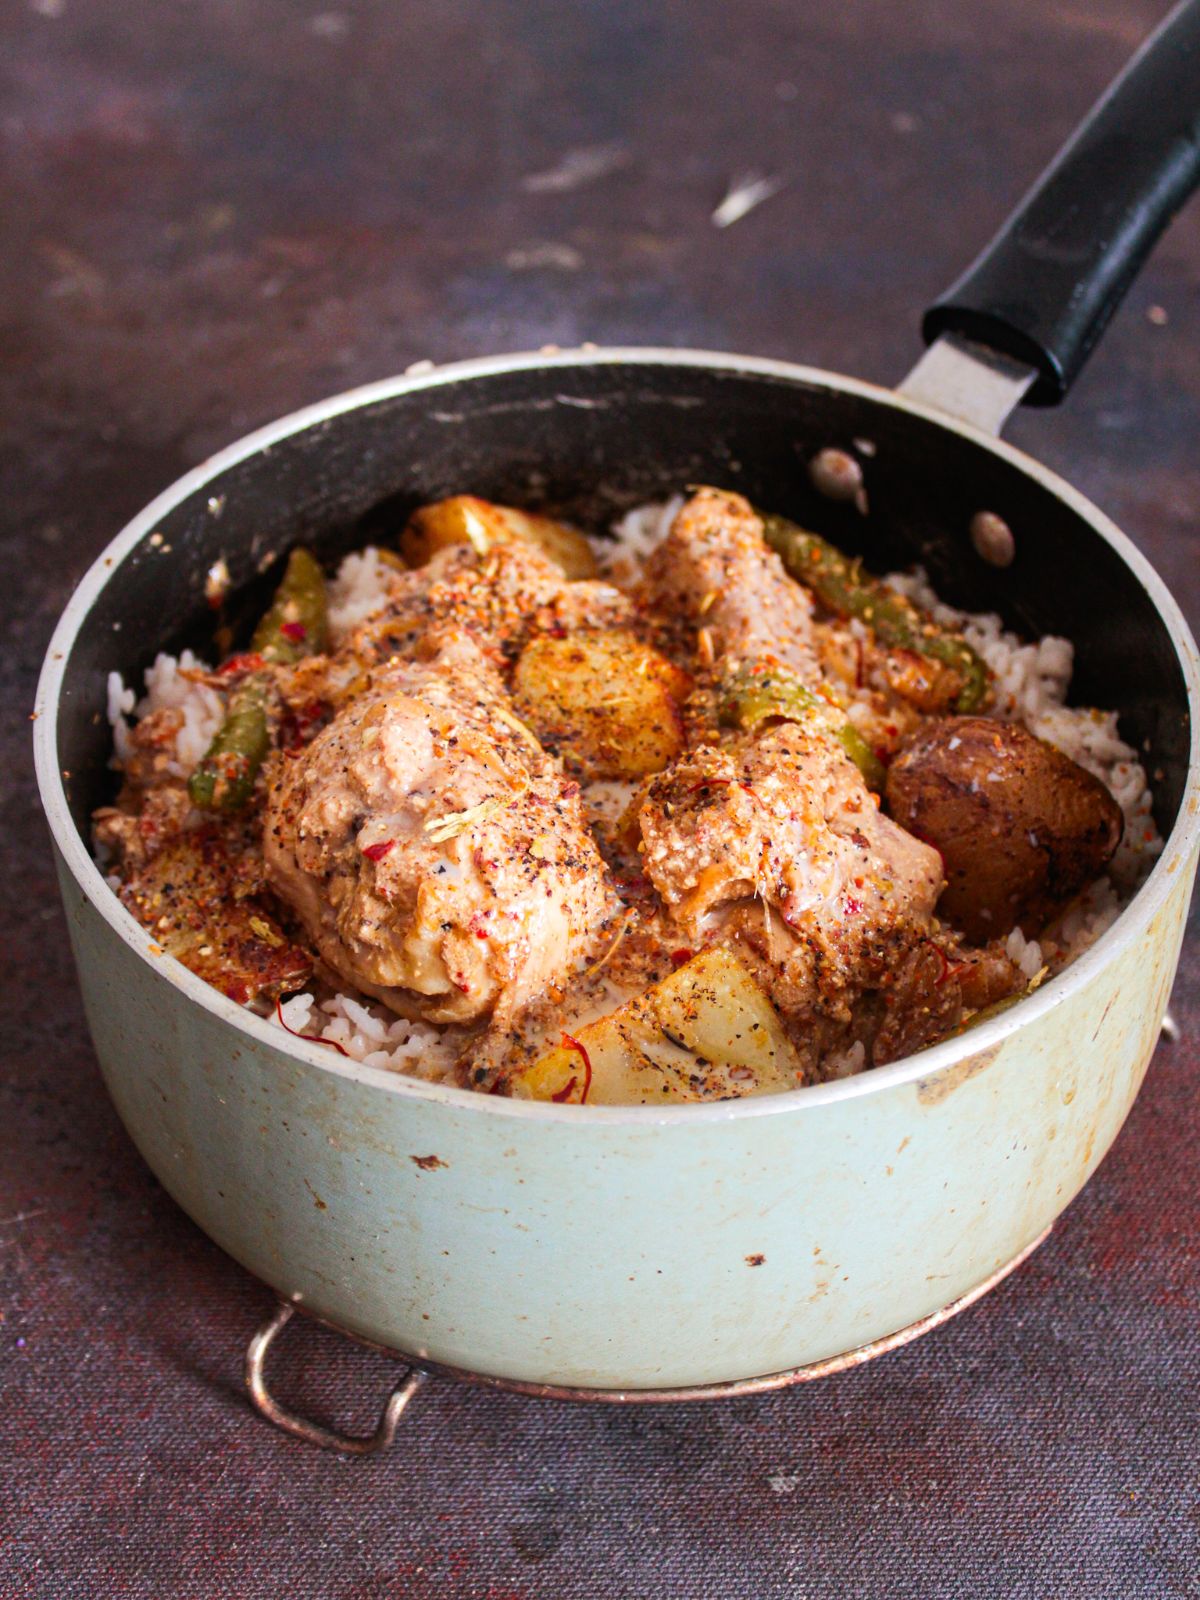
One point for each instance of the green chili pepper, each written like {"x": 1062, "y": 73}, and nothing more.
{"x": 863, "y": 757}
{"x": 225, "y": 778}
{"x": 842, "y": 586}
{"x": 750, "y": 696}
{"x": 296, "y": 625}
{"x": 986, "y": 1013}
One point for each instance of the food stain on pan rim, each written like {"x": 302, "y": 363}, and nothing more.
{"x": 937, "y": 1087}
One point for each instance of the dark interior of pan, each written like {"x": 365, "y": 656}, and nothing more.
{"x": 592, "y": 440}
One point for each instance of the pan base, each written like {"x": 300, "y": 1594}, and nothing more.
{"x": 419, "y": 1372}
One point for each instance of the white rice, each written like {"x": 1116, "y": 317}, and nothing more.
{"x": 359, "y": 589}
{"x": 370, "y": 1034}
{"x": 606, "y": 800}
{"x": 1024, "y": 953}
{"x": 845, "y": 1063}
{"x": 168, "y": 687}
{"x": 1031, "y": 683}
{"x": 635, "y": 536}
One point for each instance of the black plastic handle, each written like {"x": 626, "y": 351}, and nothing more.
{"x": 1044, "y": 289}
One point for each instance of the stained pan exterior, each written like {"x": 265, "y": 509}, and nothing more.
{"x": 615, "y": 1249}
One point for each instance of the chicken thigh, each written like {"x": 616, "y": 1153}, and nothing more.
{"x": 437, "y": 857}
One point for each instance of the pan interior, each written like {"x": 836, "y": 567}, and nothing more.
{"x": 589, "y": 441}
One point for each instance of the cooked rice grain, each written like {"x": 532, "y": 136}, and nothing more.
{"x": 357, "y": 591}
{"x": 170, "y": 685}
{"x": 373, "y": 1035}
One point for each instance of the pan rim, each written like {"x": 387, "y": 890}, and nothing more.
{"x": 911, "y": 1070}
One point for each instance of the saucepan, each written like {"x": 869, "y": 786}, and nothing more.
{"x": 638, "y": 1253}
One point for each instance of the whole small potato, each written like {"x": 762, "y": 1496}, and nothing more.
{"x": 1020, "y": 826}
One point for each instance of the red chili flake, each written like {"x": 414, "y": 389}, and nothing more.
{"x": 481, "y": 933}
{"x": 918, "y": 833}
{"x": 247, "y": 661}
{"x": 725, "y": 783}
{"x": 949, "y": 970}
{"x": 573, "y": 1044}
{"x": 565, "y": 1092}
{"x": 853, "y": 906}
{"x": 301, "y": 725}
{"x": 295, "y": 631}
{"x": 314, "y": 1038}
{"x": 376, "y": 852}
{"x": 633, "y": 883}
{"x": 678, "y": 957}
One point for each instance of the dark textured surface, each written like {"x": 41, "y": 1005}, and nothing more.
{"x": 216, "y": 212}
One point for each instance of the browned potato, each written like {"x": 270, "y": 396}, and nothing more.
{"x": 465, "y": 519}
{"x": 1020, "y": 826}
{"x": 707, "y": 1032}
{"x": 605, "y": 702}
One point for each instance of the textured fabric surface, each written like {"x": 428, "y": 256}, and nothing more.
{"x": 216, "y": 212}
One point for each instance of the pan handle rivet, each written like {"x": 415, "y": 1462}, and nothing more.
{"x": 836, "y": 475}
{"x": 992, "y": 539}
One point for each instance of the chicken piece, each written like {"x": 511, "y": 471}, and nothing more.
{"x": 436, "y": 855}
{"x": 150, "y": 757}
{"x": 1021, "y": 828}
{"x": 787, "y": 821}
{"x": 501, "y": 597}
{"x": 714, "y": 573}
{"x": 131, "y": 836}
{"x": 935, "y": 986}
{"x": 201, "y": 895}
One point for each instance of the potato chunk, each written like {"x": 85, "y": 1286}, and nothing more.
{"x": 1021, "y": 828}
{"x": 708, "y": 1032}
{"x": 465, "y": 519}
{"x": 604, "y": 701}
